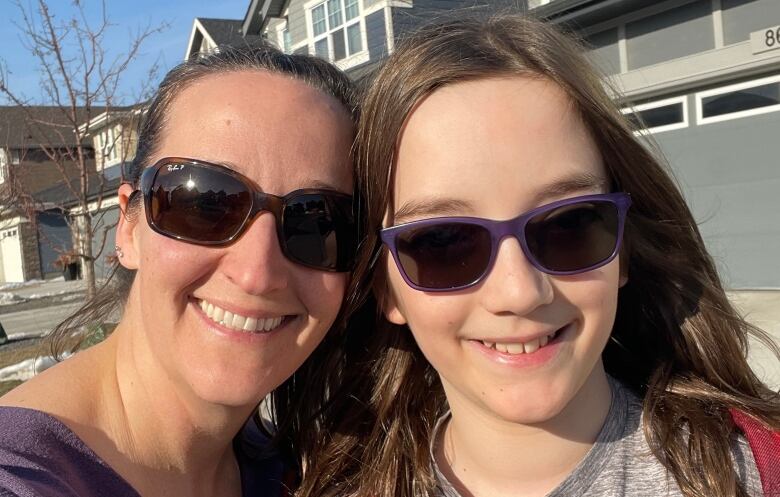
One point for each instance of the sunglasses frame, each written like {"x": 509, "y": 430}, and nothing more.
{"x": 260, "y": 201}
{"x": 511, "y": 227}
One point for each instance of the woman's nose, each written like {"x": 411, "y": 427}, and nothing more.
{"x": 255, "y": 262}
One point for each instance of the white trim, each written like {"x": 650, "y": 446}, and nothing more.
{"x": 622, "y": 48}
{"x": 731, "y": 88}
{"x": 197, "y": 25}
{"x": 717, "y": 23}
{"x": 389, "y": 30}
{"x": 683, "y": 99}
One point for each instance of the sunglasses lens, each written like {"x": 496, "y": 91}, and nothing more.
{"x": 574, "y": 237}
{"x": 198, "y": 203}
{"x": 318, "y": 231}
{"x": 446, "y": 255}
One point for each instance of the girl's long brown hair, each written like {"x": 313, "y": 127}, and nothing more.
{"x": 677, "y": 341}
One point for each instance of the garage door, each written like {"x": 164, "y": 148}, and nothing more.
{"x": 11, "y": 247}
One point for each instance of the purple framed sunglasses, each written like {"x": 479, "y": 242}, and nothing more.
{"x": 566, "y": 237}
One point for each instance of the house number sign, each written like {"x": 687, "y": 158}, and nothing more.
{"x": 766, "y": 39}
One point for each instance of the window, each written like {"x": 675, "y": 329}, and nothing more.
{"x": 15, "y": 157}
{"x": 336, "y": 29}
{"x": 740, "y": 100}
{"x": 532, "y": 4}
{"x": 286, "y": 40}
{"x": 655, "y": 117}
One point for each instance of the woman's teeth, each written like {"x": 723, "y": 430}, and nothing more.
{"x": 237, "y": 321}
{"x": 515, "y": 348}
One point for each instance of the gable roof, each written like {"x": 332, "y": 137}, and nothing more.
{"x": 219, "y": 32}
{"x": 35, "y": 125}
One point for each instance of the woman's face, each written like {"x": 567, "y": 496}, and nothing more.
{"x": 283, "y": 135}
{"x": 497, "y": 148}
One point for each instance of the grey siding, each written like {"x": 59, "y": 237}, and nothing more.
{"x": 109, "y": 219}
{"x": 741, "y": 17}
{"x": 730, "y": 176}
{"x": 54, "y": 238}
{"x": 296, "y": 17}
{"x": 604, "y": 52}
{"x": 406, "y": 20}
{"x": 376, "y": 34}
{"x": 671, "y": 34}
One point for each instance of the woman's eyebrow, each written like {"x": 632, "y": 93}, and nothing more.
{"x": 432, "y": 207}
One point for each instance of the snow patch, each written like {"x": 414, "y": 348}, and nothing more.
{"x": 26, "y": 369}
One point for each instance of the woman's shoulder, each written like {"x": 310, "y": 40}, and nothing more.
{"x": 40, "y": 456}
{"x": 263, "y": 470}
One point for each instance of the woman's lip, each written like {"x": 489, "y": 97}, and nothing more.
{"x": 243, "y": 311}
{"x": 237, "y": 335}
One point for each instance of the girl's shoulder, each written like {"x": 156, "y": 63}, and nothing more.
{"x": 40, "y": 456}
{"x": 628, "y": 460}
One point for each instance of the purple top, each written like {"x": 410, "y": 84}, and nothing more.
{"x": 41, "y": 457}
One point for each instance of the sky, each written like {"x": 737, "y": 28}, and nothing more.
{"x": 127, "y": 17}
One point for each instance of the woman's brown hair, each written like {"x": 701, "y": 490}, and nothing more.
{"x": 295, "y": 403}
{"x": 677, "y": 342}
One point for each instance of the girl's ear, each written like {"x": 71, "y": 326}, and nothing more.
{"x": 623, "y": 279}
{"x": 387, "y": 301}
{"x": 126, "y": 228}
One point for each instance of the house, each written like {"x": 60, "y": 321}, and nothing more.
{"x": 114, "y": 135}
{"x": 703, "y": 76}
{"x": 354, "y": 34}
{"x": 33, "y": 233}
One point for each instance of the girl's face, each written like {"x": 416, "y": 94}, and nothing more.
{"x": 283, "y": 135}
{"x": 496, "y": 148}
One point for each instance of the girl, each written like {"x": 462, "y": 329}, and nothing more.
{"x": 558, "y": 327}
{"x": 234, "y": 242}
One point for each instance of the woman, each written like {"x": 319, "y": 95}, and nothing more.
{"x": 235, "y": 237}
{"x": 554, "y": 324}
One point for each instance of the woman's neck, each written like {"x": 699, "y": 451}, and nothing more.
{"x": 483, "y": 455}
{"x": 163, "y": 436}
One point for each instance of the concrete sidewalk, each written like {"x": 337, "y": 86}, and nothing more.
{"x": 762, "y": 309}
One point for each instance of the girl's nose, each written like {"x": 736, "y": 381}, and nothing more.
{"x": 514, "y": 285}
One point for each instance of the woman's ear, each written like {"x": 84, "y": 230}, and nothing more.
{"x": 387, "y": 301}
{"x": 130, "y": 211}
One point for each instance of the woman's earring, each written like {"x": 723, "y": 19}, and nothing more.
{"x": 118, "y": 251}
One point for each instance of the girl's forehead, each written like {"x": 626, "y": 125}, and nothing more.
{"x": 500, "y": 139}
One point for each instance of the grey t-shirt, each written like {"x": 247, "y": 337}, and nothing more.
{"x": 620, "y": 463}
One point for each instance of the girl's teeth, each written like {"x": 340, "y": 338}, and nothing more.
{"x": 514, "y": 348}
{"x": 531, "y": 347}
{"x": 237, "y": 321}
{"x": 520, "y": 348}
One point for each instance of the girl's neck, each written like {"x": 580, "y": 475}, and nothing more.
{"x": 482, "y": 455}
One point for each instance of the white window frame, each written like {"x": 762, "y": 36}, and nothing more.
{"x": 732, "y": 88}
{"x": 350, "y": 60}
{"x": 3, "y": 164}
{"x": 281, "y": 29}
{"x": 683, "y": 99}
{"x": 539, "y": 3}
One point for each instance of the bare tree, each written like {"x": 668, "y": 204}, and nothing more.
{"x": 80, "y": 79}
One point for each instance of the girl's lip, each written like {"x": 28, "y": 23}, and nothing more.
{"x": 539, "y": 357}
